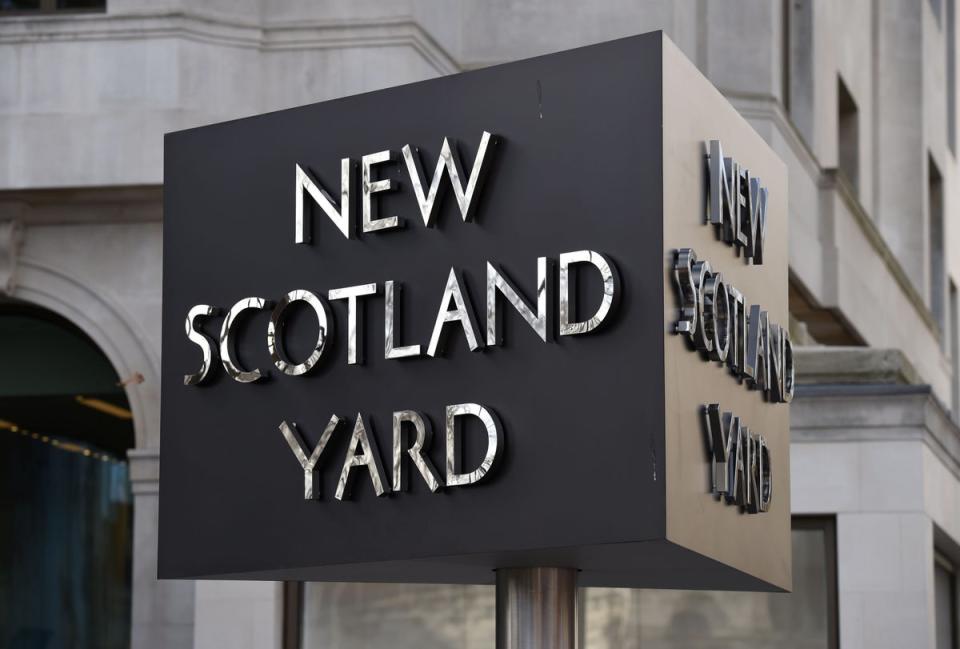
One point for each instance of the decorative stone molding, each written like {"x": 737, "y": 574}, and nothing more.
{"x": 874, "y": 412}
{"x": 220, "y": 29}
{"x": 144, "y": 470}
{"x": 11, "y": 241}
{"x": 849, "y": 365}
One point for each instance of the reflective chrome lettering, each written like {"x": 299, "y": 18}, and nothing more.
{"x": 716, "y": 312}
{"x": 455, "y": 476}
{"x": 449, "y": 160}
{"x": 461, "y": 312}
{"x": 391, "y": 327}
{"x": 723, "y": 191}
{"x": 339, "y": 215}
{"x": 766, "y": 475}
{"x": 701, "y": 338}
{"x": 567, "y": 306}
{"x": 354, "y": 317}
{"x": 275, "y": 332}
{"x": 226, "y": 353}
{"x": 368, "y": 458}
{"x": 683, "y": 279}
{"x": 422, "y": 440}
{"x": 370, "y": 187}
{"x": 311, "y": 484}
{"x": 497, "y": 282}
{"x": 201, "y": 340}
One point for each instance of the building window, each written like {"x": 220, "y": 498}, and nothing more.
{"x": 417, "y": 616}
{"x": 936, "y": 267}
{"x": 951, "y": 77}
{"x": 848, "y": 136}
{"x": 936, "y": 9}
{"x": 945, "y": 602}
{"x": 955, "y": 351}
{"x": 49, "y": 6}
{"x": 798, "y": 65}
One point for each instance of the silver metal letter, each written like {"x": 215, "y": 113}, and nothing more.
{"x": 758, "y": 221}
{"x": 758, "y": 348}
{"x": 610, "y": 286}
{"x": 340, "y": 216}
{"x": 450, "y": 160}
{"x": 370, "y": 187}
{"x": 462, "y": 313}
{"x": 354, "y": 317}
{"x": 311, "y": 485}
{"x": 422, "y": 441}
{"x": 721, "y": 427}
{"x": 737, "y": 481}
{"x": 702, "y": 338}
{"x": 496, "y": 281}
{"x": 198, "y": 338}
{"x": 775, "y": 380}
{"x": 275, "y": 332}
{"x": 723, "y": 191}
{"x": 494, "y": 443}
{"x": 391, "y": 329}
{"x": 369, "y": 458}
{"x": 766, "y": 476}
{"x": 744, "y": 211}
{"x": 716, "y": 316}
{"x": 752, "y": 495}
{"x": 683, "y": 277}
{"x": 789, "y": 374}
{"x": 226, "y": 354}
{"x": 738, "y": 330}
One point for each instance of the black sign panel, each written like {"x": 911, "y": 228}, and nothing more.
{"x": 574, "y": 164}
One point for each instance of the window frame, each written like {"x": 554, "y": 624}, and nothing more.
{"x": 49, "y": 7}
{"x": 828, "y": 524}
{"x": 293, "y": 591}
{"x": 950, "y": 567}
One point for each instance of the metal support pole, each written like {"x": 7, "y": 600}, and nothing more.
{"x": 536, "y": 608}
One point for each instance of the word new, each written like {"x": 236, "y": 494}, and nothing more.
{"x": 364, "y": 455}
{"x": 340, "y": 214}
{"x": 737, "y": 205}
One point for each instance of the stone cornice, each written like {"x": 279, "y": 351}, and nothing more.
{"x": 875, "y": 413}
{"x": 55, "y": 206}
{"x": 230, "y": 32}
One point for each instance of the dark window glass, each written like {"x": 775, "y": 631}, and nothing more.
{"x": 19, "y": 5}
{"x": 400, "y": 616}
{"x": 936, "y": 8}
{"x": 81, "y": 4}
{"x": 951, "y": 78}
{"x": 848, "y": 136}
{"x": 955, "y": 350}
{"x": 47, "y": 6}
{"x": 798, "y": 65}
{"x": 945, "y": 603}
{"x": 937, "y": 266}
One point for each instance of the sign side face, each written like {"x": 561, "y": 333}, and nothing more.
{"x": 706, "y": 510}
{"x": 573, "y": 177}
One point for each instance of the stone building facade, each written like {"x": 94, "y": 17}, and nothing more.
{"x": 858, "y": 98}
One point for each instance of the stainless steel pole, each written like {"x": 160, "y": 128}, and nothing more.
{"x": 536, "y": 608}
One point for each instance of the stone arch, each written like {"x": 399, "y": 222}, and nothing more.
{"x": 113, "y": 331}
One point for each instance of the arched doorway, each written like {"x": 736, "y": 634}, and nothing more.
{"x": 65, "y": 502}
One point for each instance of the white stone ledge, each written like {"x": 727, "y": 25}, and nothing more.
{"x": 228, "y": 31}
{"x": 879, "y": 413}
